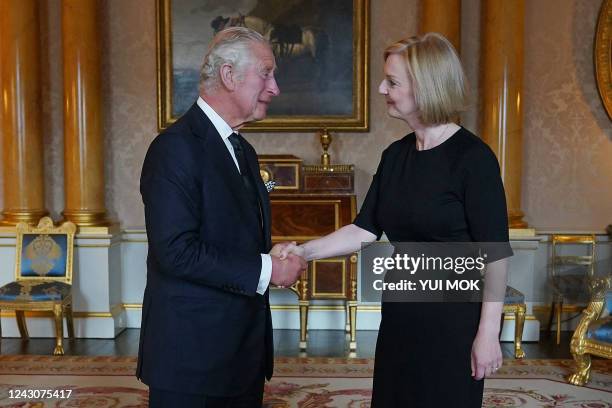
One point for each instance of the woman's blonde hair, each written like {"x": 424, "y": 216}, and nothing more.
{"x": 439, "y": 83}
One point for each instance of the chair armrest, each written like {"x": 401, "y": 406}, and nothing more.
{"x": 599, "y": 287}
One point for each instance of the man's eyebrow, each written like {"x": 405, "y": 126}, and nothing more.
{"x": 268, "y": 69}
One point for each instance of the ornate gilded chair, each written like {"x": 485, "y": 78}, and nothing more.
{"x": 594, "y": 332}
{"x": 514, "y": 302}
{"x": 570, "y": 274}
{"x": 43, "y": 276}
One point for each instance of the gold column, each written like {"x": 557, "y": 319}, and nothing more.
{"x": 20, "y": 115}
{"x": 444, "y": 17}
{"x": 83, "y": 143}
{"x": 501, "y": 84}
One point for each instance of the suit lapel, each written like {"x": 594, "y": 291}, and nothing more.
{"x": 219, "y": 155}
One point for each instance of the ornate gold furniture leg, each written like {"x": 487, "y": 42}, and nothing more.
{"x": 303, "y": 305}
{"x": 514, "y": 302}
{"x": 59, "y": 330}
{"x": 519, "y": 321}
{"x": 352, "y": 303}
{"x": 558, "y": 313}
{"x": 353, "y": 322}
{"x": 347, "y": 321}
{"x": 583, "y": 370}
{"x": 21, "y": 324}
{"x": 69, "y": 320}
{"x": 551, "y": 316}
{"x": 582, "y": 345}
{"x": 303, "y": 323}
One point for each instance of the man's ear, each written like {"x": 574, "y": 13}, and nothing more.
{"x": 228, "y": 77}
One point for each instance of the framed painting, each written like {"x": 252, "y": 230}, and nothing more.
{"x": 321, "y": 49}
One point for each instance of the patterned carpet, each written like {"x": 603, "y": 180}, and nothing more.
{"x": 105, "y": 382}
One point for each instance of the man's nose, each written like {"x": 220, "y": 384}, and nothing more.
{"x": 273, "y": 87}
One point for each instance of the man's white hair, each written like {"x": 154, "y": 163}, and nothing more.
{"x": 230, "y": 46}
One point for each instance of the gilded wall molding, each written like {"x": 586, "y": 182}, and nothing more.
{"x": 603, "y": 55}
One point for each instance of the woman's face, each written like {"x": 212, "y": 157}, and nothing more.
{"x": 397, "y": 89}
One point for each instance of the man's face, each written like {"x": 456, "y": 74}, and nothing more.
{"x": 258, "y": 86}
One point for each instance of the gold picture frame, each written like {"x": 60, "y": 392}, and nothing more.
{"x": 603, "y": 55}
{"x": 335, "y": 104}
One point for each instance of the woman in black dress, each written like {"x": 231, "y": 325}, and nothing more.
{"x": 440, "y": 183}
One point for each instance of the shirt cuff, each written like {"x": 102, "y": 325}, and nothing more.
{"x": 266, "y": 274}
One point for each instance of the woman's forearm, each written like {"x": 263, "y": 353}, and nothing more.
{"x": 343, "y": 241}
{"x": 493, "y": 299}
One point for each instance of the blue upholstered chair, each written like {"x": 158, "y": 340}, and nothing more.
{"x": 514, "y": 302}
{"x": 43, "y": 276}
{"x": 594, "y": 332}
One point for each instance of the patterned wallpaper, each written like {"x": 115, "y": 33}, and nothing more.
{"x": 131, "y": 91}
{"x": 52, "y": 104}
{"x": 567, "y": 181}
{"x": 567, "y": 135}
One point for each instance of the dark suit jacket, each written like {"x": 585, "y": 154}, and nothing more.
{"x": 204, "y": 328}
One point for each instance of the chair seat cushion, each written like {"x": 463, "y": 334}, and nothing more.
{"x": 34, "y": 291}
{"x": 601, "y": 330}
{"x": 513, "y": 296}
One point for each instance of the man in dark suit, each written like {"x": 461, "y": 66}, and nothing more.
{"x": 206, "y": 332}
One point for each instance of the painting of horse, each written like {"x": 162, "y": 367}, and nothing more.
{"x": 312, "y": 40}
{"x": 287, "y": 40}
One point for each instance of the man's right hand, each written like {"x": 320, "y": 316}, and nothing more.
{"x": 286, "y": 271}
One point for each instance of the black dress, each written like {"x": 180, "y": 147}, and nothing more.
{"x": 450, "y": 193}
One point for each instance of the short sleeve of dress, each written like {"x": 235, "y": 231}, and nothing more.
{"x": 366, "y": 218}
{"x": 485, "y": 203}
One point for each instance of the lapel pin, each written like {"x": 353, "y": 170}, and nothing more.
{"x": 270, "y": 185}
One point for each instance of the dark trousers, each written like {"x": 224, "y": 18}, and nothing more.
{"x": 253, "y": 398}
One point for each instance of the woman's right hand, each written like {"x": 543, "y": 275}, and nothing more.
{"x": 291, "y": 248}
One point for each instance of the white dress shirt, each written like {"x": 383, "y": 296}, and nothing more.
{"x": 225, "y": 131}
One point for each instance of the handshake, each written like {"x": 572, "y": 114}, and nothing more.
{"x": 287, "y": 263}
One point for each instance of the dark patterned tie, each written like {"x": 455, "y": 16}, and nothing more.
{"x": 242, "y": 163}
{"x": 247, "y": 179}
